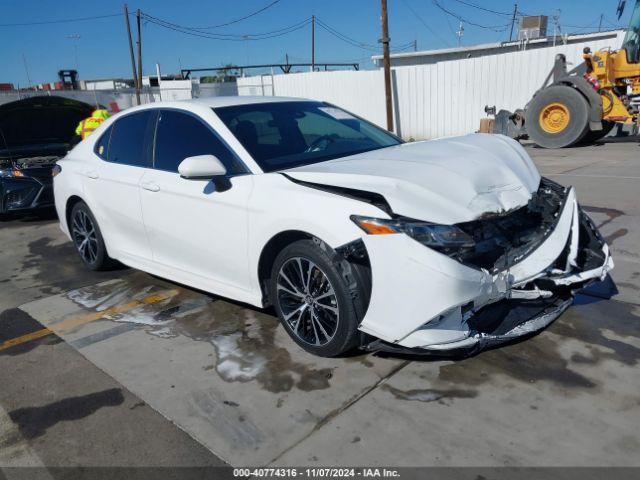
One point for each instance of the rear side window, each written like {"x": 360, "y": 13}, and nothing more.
{"x": 130, "y": 139}
{"x": 102, "y": 145}
{"x": 180, "y": 135}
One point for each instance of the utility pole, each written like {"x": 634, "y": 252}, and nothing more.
{"x": 139, "y": 50}
{"x": 313, "y": 43}
{"x": 460, "y": 33}
{"x": 133, "y": 60}
{"x": 513, "y": 20}
{"x": 387, "y": 64}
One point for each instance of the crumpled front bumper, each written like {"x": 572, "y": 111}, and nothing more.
{"x": 423, "y": 301}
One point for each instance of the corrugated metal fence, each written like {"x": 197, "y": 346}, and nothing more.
{"x": 441, "y": 99}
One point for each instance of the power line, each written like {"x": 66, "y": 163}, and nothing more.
{"x": 591, "y": 25}
{"x": 226, "y": 36}
{"x": 473, "y": 5}
{"x": 427, "y": 26}
{"x": 495, "y": 28}
{"x": 252, "y": 14}
{"x": 66, "y": 20}
{"x": 345, "y": 38}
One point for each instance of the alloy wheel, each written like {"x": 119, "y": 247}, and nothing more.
{"x": 84, "y": 236}
{"x": 308, "y": 301}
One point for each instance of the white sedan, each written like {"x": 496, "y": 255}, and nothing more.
{"x": 356, "y": 238}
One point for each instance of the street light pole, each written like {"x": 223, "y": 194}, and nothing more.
{"x": 387, "y": 64}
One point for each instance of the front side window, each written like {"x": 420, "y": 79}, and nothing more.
{"x": 180, "y": 135}
{"x": 283, "y": 135}
{"x": 130, "y": 139}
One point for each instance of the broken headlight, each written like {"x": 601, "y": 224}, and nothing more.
{"x": 429, "y": 234}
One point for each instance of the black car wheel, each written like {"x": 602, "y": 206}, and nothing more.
{"x": 319, "y": 297}
{"x": 87, "y": 238}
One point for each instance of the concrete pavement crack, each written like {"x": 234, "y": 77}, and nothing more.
{"x": 335, "y": 413}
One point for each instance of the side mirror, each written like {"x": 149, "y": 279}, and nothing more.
{"x": 201, "y": 167}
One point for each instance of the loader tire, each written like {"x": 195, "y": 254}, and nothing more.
{"x": 557, "y": 117}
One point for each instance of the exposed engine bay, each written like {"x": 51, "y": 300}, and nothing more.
{"x": 34, "y": 133}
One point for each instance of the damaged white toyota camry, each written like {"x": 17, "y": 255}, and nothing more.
{"x": 356, "y": 238}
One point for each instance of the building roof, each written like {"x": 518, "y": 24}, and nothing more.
{"x": 500, "y": 45}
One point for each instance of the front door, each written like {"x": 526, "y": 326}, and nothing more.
{"x": 196, "y": 226}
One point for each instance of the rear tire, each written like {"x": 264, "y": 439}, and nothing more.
{"x": 87, "y": 238}
{"x": 557, "y": 117}
{"x": 319, "y": 296}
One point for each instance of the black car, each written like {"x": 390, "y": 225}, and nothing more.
{"x": 34, "y": 134}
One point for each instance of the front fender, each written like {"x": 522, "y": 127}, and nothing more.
{"x": 278, "y": 205}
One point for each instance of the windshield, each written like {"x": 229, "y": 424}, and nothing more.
{"x": 632, "y": 39}
{"x": 282, "y": 135}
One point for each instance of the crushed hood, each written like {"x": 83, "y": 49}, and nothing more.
{"x": 443, "y": 181}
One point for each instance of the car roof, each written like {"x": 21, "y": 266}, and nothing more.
{"x": 230, "y": 101}
{"x": 213, "y": 102}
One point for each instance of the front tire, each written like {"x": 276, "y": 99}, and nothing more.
{"x": 557, "y": 117}
{"x": 320, "y": 298}
{"x": 87, "y": 238}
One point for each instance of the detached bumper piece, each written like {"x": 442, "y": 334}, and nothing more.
{"x": 496, "y": 293}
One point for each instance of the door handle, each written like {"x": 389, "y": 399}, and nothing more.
{"x": 152, "y": 187}
{"x": 91, "y": 174}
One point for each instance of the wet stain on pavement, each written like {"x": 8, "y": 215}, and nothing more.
{"x": 621, "y": 232}
{"x": 611, "y": 213}
{"x": 35, "y": 421}
{"x": 243, "y": 337}
{"x": 429, "y": 395}
{"x": 622, "y": 319}
{"x": 630, "y": 285}
{"x": 533, "y": 360}
{"x": 53, "y": 267}
{"x": 540, "y": 359}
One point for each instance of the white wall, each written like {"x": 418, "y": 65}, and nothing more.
{"x": 442, "y": 99}
{"x": 361, "y": 92}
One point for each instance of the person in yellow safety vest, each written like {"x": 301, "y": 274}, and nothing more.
{"x": 88, "y": 125}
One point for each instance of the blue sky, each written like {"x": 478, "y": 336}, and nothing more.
{"x": 102, "y": 49}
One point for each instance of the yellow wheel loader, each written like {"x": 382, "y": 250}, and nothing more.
{"x": 573, "y": 108}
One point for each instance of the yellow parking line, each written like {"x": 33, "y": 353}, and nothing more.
{"x": 25, "y": 338}
{"x": 76, "y": 321}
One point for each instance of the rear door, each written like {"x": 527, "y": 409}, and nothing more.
{"x": 196, "y": 226}
{"x": 112, "y": 187}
